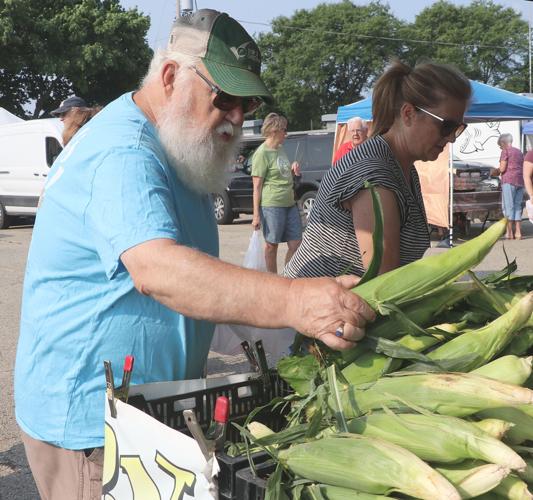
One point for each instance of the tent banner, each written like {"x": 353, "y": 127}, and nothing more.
{"x": 144, "y": 458}
{"x": 435, "y": 184}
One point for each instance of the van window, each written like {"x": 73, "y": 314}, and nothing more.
{"x": 53, "y": 148}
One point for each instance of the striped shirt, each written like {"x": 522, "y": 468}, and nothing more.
{"x": 329, "y": 246}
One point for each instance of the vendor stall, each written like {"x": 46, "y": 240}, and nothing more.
{"x": 489, "y": 104}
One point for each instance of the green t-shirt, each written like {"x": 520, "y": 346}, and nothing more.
{"x": 275, "y": 169}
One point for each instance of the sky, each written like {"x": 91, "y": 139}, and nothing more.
{"x": 254, "y": 14}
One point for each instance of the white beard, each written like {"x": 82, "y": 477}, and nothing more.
{"x": 198, "y": 156}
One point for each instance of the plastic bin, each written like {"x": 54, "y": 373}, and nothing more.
{"x": 250, "y": 486}
{"x": 165, "y": 401}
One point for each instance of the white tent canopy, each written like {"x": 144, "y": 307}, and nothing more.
{"x": 7, "y": 117}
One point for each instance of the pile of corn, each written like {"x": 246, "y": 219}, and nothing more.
{"x": 437, "y": 403}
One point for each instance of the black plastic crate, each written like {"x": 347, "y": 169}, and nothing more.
{"x": 250, "y": 485}
{"x": 244, "y": 396}
{"x": 229, "y": 468}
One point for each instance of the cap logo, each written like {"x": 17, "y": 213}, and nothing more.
{"x": 247, "y": 50}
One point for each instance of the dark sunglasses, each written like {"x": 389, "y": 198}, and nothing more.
{"x": 447, "y": 127}
{"x": 227, "y": 102}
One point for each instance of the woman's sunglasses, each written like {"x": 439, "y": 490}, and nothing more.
{"x": 227, "y": 102}
{"x": 447, "y": 127}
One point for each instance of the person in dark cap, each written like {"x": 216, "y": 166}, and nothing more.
{"x": 123, "y": 258}
{"x": 68, "y": 105}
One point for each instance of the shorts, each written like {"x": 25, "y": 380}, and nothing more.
{"x": 281, "y": 224}
{"x": 512, "y": 201}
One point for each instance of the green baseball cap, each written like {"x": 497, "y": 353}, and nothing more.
{"x": 228, "y": 52}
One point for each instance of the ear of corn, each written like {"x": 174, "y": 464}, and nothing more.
{"x": 513, "y": 488}
{"x": 351, "y": 461}
{"x": 456, "y": 394}
{"x": 509, "y": 369}
{"x": 369, "y": 366}
{"x": 494, "y": 427}
{"x": 522, "y": 429}
{"x": 473, "y": 349}
{"x": 423, "y": 311}
{"x": 474, "y": 479}
{"x": 437, "y": 438}
{"x": 426, "y": 275}
{"x": 337, "y": 493}
{"x": 522, "y": 343}
{"x": 527, "y": 474}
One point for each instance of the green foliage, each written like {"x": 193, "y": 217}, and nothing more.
{"x": 50, "y": 49}
{"x": 332, "y": 55}
{"x": 488, "y": 42}
{"x": 318, "y": 59}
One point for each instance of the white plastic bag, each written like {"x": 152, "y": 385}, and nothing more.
{"x": 529, "y": 210}
{"x": 254, "y": 258}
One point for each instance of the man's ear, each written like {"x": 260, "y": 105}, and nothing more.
{"x": 168, "y": 75}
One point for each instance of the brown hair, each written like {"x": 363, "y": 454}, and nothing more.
{"x": 77, "y": 118}
{"x": 272, "y": 123}
{"x": 425, "y": 85}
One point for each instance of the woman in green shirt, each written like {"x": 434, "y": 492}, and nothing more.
{"x": 275, "y": 210}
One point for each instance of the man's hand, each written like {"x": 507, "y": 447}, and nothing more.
{"x": 326, "y": 309}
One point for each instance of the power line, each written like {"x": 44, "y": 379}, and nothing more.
{"x": 393, "y": 39}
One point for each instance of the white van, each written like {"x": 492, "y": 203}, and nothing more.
{"x": 27, "y": 151}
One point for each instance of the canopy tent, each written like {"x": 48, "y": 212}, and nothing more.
{"x": 7, "y": 117}
{"x": 487, "y": 104}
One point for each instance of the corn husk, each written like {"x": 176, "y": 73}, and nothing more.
{"x": 527, "y": 474}
{"x": 475, "y": 348}
{"x": 368, "y": 465}
{"x": 522, "y": 429}
{"x": 337, "y": 493}
{"x": 437, "y": 438}
{"x": 509, "y": 369}
{"x": 472, "y": 479}
{"x": 494, "y": 427}
{"x": 513, "y": 488}
{"x": 426, "y": 275}
{"x": 369, "y": 366}
{"x": 455, "y": 394}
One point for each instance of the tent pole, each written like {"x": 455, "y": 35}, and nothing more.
{"x": 450, "y": 203}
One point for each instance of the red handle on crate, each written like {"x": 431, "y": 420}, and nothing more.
{"x": 221, "y": 410}
{"x": 128, "y": 363}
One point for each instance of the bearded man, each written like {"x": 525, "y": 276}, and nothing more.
{"x": 123, "y": 256}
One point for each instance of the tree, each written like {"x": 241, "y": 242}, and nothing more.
{"x": 320, "y": 58}
{"x": 486, "y": 41}
{"x": 50, "y": 49}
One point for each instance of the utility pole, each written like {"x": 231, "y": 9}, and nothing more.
{"x": 529, "y": 44}
{"x": 184, "y": 10}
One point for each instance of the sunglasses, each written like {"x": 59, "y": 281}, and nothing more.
{"x": 447, "y": 127}
{"x": 228, "y": 102}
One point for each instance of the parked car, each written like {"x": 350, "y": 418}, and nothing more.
{"x": 28, "y": 150}
{"x": 312, "y": 149}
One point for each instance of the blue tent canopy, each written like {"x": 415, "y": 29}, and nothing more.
{"x": 488, "y": 103}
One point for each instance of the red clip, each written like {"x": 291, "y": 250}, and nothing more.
{"x": 128, "y": 363}
{"x": 221, "y": 410}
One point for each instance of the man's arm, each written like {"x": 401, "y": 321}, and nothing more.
{"x": 363, "y": 222}
{"x": 203, "y": 287}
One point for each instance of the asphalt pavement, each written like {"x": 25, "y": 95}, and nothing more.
{"x": 15, "y": 478}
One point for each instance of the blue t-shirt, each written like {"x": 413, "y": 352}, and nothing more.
{"x": 109, "y": 190}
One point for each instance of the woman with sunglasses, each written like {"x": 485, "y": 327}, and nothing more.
{"x": 416, "y": 113}
{"x": 275, "y": 209}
